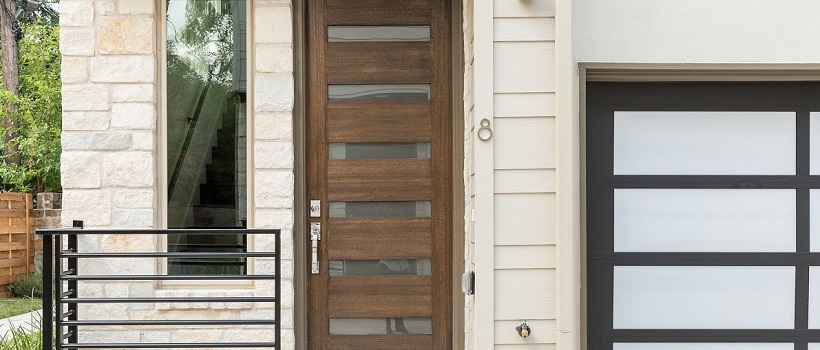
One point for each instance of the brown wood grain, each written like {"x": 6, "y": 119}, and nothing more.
{"x": 379, "y": 238}
{"x": 378, "y": 12}
{"x": 378, "y": 121}
{"x": 381, "y": 296}
{"x": 378, "y": 179}
{"x": 378, "y": 63}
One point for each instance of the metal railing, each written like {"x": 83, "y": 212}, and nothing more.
{"x": 60, "y": 306}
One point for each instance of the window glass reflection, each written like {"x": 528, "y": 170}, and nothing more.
{"x": 380, "y": 209}
{"x": 382, "y": 267}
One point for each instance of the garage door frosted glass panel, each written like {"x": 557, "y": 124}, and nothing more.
{"x": 704, "y": 346}
{"x": 814, "y": 298}
{"x": 703, "y": 297}
{"x": 704, "y": 220}
{"x": 704, "y": 143}
{"x": 814, "y": 220}
{"x": 814, "y": 144}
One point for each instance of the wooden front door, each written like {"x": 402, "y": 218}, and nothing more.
{"x": 379, "y": 174}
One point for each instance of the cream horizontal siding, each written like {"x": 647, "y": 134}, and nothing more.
{"x": 524, "y": 162}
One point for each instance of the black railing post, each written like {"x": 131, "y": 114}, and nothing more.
{"x": 48, "y": 294}
{"x": 278, "y": 292}
{"x": 58, "y": 291}
{"x": 72, "y": 284}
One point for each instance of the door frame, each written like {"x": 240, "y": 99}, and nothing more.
{"x": 300, "y": 234}
{"x": 573, "y": 138}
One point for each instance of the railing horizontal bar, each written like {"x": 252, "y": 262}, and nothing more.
{"x": 170, "y": 255}
{"x": 168, "y": 322}
{"x": 165, "y": 345}
{"x": 51, "y": 232}
{"x": 170, "y": 300}
{"x": 166, "y": 277}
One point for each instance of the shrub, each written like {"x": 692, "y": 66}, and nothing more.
{"x": 28, "y": 286}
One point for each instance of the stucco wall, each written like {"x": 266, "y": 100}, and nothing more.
{"x": 701, "y": 31}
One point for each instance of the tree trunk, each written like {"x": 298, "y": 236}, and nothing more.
{"x": 11, "y": 78}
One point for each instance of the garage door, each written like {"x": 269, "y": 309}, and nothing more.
{"x": 703, "y": 216}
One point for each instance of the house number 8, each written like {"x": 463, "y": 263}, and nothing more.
{"x": 485, "y": 132}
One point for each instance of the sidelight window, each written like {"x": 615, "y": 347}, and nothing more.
{"x": 205, "y": 130}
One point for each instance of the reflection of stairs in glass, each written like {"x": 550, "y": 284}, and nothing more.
{"x": 217, "y": 193}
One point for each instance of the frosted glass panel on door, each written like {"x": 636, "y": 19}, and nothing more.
{"x": 377, "y": 33}
{"x": 814, "y": 144}
{"x": 814, "y": 346}
{"x": 704, "y": 143}
{"x": 379, "y": 92}
{"x": 705, "y": 220}
{"x": 704, "y": 346}
{"x": 703, "y": 297}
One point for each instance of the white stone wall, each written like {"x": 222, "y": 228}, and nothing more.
{"x": 110, "y": 163}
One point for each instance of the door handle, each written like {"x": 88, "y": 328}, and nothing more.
{"x": 315, "y": 237}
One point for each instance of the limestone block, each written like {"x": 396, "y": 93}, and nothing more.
{"x": 85, "y": 121}
{"x": 273, "y": 25}
{"x": 288, "y": 340}
{"x": 273, "y": 155}
{"x": 155, "y": 337}
{"x": 287, "y": 268}
{"x": 74, "y": 69}
{"x": 86, "y": 97}
{"x": 90, "y": 290}
{"x": 93, "y": 207}
{"x": 134, "y": 116}
{"x": 76, "y": 13}
{"x": 197, "y": 336}
{"x": 265, "y": 266}
{"x": 104, "y": 7}
{"x": 81, "y": 169}
{"x": 272, "y": 185}
{"x": 274, "y": 58}
{"x": 128, "y": 243}
{"x": 142, "y": 290}
{"x": 109, "y": 336}
{"x": 274, "y": 92}
{"x": 133, "y": 218}
{"x": 274, "y": 218}
{"x": 136, "y": 7}
{"x": 142, "y": 141}
{"x": 76, "y": 42}
{"x": 88, "y": 141}
{"x": 134, "y": 199}
{"x": 132, "y": 92}
{"x": 276, "y": 126}
{"x": 122, "y": 69}
{"x": 128, "y": 169}
{"x": 115, "y": 290}
{"x": 126, "y": 35}
{"x": 243, "y": 335}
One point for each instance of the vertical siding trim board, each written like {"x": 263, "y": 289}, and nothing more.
{"x": 568, "y": 195}
{"x": 483, "y": 159}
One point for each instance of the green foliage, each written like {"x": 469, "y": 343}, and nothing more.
{"x": 39, "y": 112}
{"x": 28, "y": 286}
{"x": 17, "y": 306}
{"x": 26, "y": 337}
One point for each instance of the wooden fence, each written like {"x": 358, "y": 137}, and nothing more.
{"x": 17, "y": 240}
